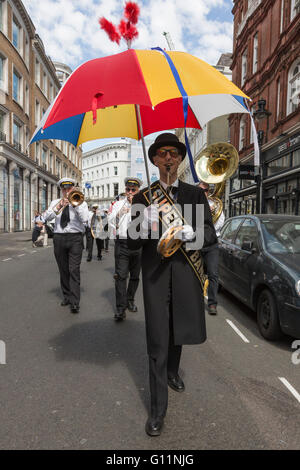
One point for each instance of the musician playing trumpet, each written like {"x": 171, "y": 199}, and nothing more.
{"x": 126, "y": 261}
{"x": 70, "y": 221}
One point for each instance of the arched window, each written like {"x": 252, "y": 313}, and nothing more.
{"x": 293, "y": 92}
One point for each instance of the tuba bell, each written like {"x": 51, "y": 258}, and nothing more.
{"x": 215, "y": 165}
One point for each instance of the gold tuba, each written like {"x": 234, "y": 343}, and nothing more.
{"x": 215, "y": 165}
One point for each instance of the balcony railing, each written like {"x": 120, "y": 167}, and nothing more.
{"x": 17, "y": 146}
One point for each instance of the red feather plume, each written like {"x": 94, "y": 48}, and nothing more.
{"x": 127, "y": 30}
{"x": 110, "y": 29}
{"x": 131, "y": 12}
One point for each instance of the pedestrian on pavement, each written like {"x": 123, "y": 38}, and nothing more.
{"x": 106, "y": 230}
{"x": 127, "y": 262}
{"x": 90, "y": 237}
{"x": 173, "y": 300}
{"x": 67, "y": 240}
{"x": 210, "y": 256}
{"x": 38, "y": 222}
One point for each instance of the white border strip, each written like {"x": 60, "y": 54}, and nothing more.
{"x": 290, "y": 387}
{"x": 7, "y": 259}
{"x": 22, "y": 255}
{"x": 237, "y": 331}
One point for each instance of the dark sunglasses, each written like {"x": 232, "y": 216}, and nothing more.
{"x": 67, "y": 186}
{"x": 131, "y": 190}
{"x": 174, "y": 153}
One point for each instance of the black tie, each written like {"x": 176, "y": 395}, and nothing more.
{"x": 172, "y": 191}
{"x": 65, "y": 217}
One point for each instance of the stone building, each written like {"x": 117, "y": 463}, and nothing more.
{"x": 266, "y": 66}
{"x": 28, "y": 84}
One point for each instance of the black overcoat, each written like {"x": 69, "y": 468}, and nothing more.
{"x": 157, "y": 274}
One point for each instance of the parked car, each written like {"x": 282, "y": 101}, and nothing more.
{"x": 259, "y": 263}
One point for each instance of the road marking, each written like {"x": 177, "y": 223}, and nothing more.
{"x": 237, "y": 331}
{"x": 290, "y": 387}
{"x": 22, "y": 254}
{"x": 7, "y": 259}
{"x": 34, "y": 251}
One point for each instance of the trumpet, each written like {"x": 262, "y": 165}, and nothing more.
{"x": 75, "y": 197}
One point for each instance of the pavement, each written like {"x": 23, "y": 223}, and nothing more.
{"x": 15, "y": 242}
{"x": 81, "y": 381}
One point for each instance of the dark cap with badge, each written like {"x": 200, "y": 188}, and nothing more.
{"x": 169, "y": 139}
{"x": 132, "y": 181}
{"x": 66, "y": 182}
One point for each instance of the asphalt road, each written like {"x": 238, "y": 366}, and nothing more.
{"x": 81, "y": 381}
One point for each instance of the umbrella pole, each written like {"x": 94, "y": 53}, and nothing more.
{"x": 140, "y": 126}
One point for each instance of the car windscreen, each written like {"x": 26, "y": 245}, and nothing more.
{"x": 281, "y": 236}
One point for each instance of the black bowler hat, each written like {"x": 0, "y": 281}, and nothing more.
{"x": 166, "y": 139}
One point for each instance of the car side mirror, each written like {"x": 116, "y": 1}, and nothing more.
{"x": 248, "y": 245}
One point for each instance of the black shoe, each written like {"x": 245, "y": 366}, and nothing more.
{"x": 120, "y": 315}
{"x": 65, "y": 302}
{"x": 176, "y": 383}
{"x": 99, "y": 258}
{"x": 131, "y": 307}
{"x": 212, "y": 310}
{"x": 89, "y": 258}
{"x": 74, "y": 308}
{"x": 154, "y": 426}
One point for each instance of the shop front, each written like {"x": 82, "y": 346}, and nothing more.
{"x": 242, "y": 197}
{"x": 281, "y": 185}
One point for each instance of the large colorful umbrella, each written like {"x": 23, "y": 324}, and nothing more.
{"x": 138, "y": 92}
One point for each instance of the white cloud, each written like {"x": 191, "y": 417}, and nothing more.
{"x": 71, "y": 33}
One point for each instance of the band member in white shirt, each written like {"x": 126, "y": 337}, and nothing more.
{"x": 67, "y": 240}
{"x": 126, "y": 261}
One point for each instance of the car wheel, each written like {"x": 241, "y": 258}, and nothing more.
{"x": 267, "y": 316}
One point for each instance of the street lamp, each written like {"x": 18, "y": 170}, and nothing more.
{"x": 260, "y": 113}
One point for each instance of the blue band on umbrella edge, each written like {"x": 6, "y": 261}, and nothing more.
{"x": 185, "y": 103}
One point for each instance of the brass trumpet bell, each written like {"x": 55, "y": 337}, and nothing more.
{"x": 75, "y": 197}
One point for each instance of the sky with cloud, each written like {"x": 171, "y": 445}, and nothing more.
{"x": 71, "y": 34}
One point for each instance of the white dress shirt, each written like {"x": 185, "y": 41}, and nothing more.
{"x": 220, "y": 222}
{"x": 78, "y": 217}
{"x": 91, "y": 213}
{"x": 38, "y": 218}
{"x": 120, "y": 228}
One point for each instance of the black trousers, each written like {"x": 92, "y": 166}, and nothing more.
{"x": 211, "y": 262}
{"x": 36, "y": 233}
{"x": 90, "y": 243}
{"x": 68, "y": 253}
{"x": 127, "y": 262}
{"x": 166, "y": 362}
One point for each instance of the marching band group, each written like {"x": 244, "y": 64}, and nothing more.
{"x": 167, "y": 281}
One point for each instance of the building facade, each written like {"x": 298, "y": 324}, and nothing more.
{"x": 28, "y": 83}
{"x": 217, "y": 130}
{"x": 266, "y": 66}
{"x": 105, "y": 168}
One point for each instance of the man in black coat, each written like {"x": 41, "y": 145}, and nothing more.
{"x": 173, "y": 297}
